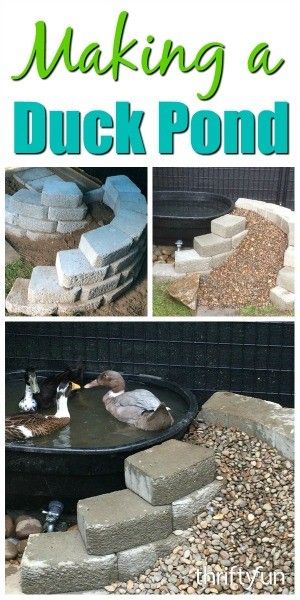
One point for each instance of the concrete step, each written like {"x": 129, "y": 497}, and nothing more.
{"x": 103, "y": 245}
{"x": 133, "y": 201}
{"x": 44, "y": 288}
{"x": 57, "y": 213}
{"x": 17, "y": 302}
{"x": 131, "y": 223}
{"x": 282, "y": 298}
{"x": 286, "y": 279}
{"x": 119, "y": 521}
{"x": 228, "y": 225}
{"x": 73, "y": 268}
{"x": 289, "y": 257}
{"x": 25, "y": 176}
{"x": 37, "y": 185}
{"x": 10, "y": 217}
{"x": 57, "y": 563}
{"x": 169, "y": 471}
{"x": 61, "y": 194}
{"x": 41, "y": 225}
{"x": 116, "y": 185}
{"x": 189, "y": 261}
{"x": 211, "y": 244}
{"x": 27, "y": 203}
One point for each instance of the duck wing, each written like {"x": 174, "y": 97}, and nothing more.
{"x": 142, "y": 399}
{"x": 17, "y": 426}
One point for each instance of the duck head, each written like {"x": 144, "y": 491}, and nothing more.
{"x": 63, "y": 393}
{"x": 111, "y": 379}
{"x": 31, "y": 380}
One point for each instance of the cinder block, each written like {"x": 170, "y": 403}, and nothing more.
{"x": 189, "y": 261}
{"x": 36, "y": 224}
{"x": 219, "y": 259}
{"x": 28, "y": 204}
{"x": 137, "y": 560}
{"x": 114, "y": 186}
{"x": 67, "y": 214}
{"x": 44, "y": 288}
{"x": 100, "y": 288}
{"x": 121, "y": 520}
{"x": 282, "y": 298}
{"x": 286, "y": 279}
{"x": 121, "y": 289}
{"x": 70, "y": 226}
{"x": 65, "y": 194}
{"x": 94, "y": 195}
{"x": 211, "y": 244}
{"x": 80, "y": 308}
{"x": 17, "y": 302}
{"x": 169, "y": 471}
{"x": 237, "y": 239}
{"x": 37, "y": 185}
{"x": 289, "y": 257}
{"x": 228, "y": 225}
{"x": 57, "y": 563}
{"x": 131, "y": 223}
{"x": 73, "y": 269}
{"x": 185, "y": 509}
{"x": 133, "y": 201}
{"x": 104, "y": 245}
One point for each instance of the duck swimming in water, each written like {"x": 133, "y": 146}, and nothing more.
{"x": 139, "y": 408}
{"x": 20, "y": 427}
{"x": 43, "y": 395}
{"x": 28, "y": 403}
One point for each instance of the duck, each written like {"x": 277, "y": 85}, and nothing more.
{"x": 139, "y": 408}
{"x": 21, "y": 427}
{"x": 28, "y": 403}
{"x": 44, "y": 394}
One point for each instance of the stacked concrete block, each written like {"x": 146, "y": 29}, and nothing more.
{"x": 58, "y": 208}
{"x": 104, "y": 266}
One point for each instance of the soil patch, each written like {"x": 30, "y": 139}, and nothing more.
{"x": 248, "y": 275}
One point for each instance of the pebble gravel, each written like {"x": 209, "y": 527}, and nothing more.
{"x": 246, "y": 533}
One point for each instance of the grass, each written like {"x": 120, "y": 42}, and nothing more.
{"x": 19, "y": 268}
{"x": 165, "y": 306}
{"x": 263, "y": 311}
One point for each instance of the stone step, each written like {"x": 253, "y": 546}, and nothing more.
{"x": 10, "y": 217}
{"x": 131, "y": 223}
{"x": 286, "y": 279}
{"x": 189, "y": 261}
{"x": 121, "y": 520}
{"x": 24, "y": 176}
{"x": 37, "y": 185}
{"x": 135, "y": 561}
{"x": 211, "y": 244}
{"x": 73, "y": 268}
{"x": 116, "y": 185}
{"x": 228, "y": 225}
{"x": 169, "y": 471}
{"x": 57, "y": 213}
{"x": 185, "y": 509}
{"x": 102, "y": 287}
{"x": 104, "y": 245}
{"x": 27, "y": 203}
{"x": 63, "y": 194}
{"x": 70, "y": 226}
{"x": 114, "y": 294}
{"x": 133, "y": 201}
{"x": 283, "y": 299}
{"x": 44, "y": 288}
{"x": 17, "y": 302}
{"x": 57, "y": 563}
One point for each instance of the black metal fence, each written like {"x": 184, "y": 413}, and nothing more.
{"x": 250, "y": 358}
{"x": 271, "y": 184}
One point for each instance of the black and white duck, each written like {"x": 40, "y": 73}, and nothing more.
{"x": 21, "y": 427}
{"x": 43, "y": 395}
{"x": 139, "y": 408}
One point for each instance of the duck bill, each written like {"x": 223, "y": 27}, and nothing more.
{"x": 75, "y": 386}
{"x": 91, "y": 384}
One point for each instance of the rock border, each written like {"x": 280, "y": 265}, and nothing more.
{"x": 104, "y": 266}
{"x": 53, "y": 568}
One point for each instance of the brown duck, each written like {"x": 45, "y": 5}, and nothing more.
{"x": 21, "y": 427}
{"x": 139, "y": 408}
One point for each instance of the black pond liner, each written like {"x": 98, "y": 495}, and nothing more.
{"x": 182, "y": 215}
{"x": 36, "y": 475}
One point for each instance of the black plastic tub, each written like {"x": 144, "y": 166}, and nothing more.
{"x": 35, "y": 475}
{"x": 182, "y": 215}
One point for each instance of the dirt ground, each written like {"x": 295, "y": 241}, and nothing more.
{"x": 133, "y": 303}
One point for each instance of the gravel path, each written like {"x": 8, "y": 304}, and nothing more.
{"x": 250, "y": 525}
{"x": 247, "y": 277}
